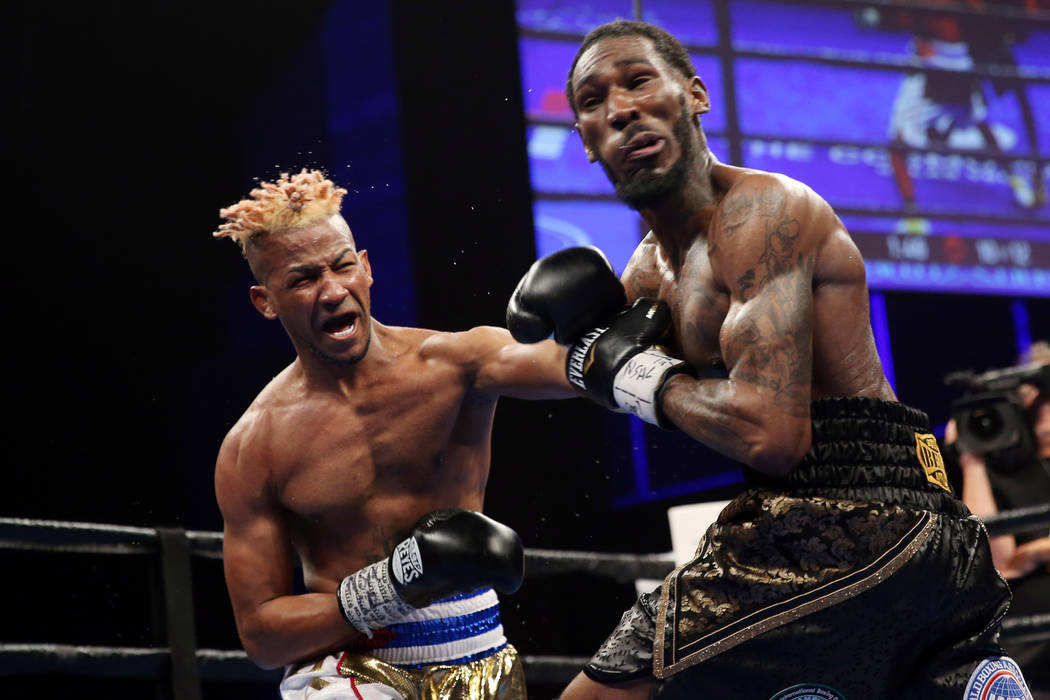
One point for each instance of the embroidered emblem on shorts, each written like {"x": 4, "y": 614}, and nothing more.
{"x": 930, "y": 458}
{"x": 997, "y": 678}
{"x": 809, "y": 691}
{"x": 406, "y": 562}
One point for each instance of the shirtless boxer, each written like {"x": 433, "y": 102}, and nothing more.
{"x": 846, "y": 569}
{"x": 373, "y": 433}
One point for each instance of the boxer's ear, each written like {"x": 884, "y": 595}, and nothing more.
{"x": 362, "y": 257}
{"x": 586, "y": 149}
{"x": 260, "y": 297}
{"x": 699, "y": 101}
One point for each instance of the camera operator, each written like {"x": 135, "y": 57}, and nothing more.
{"x": 998, "y": 477}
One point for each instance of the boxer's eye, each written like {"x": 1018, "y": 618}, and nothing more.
{"x": 589, "y": 102}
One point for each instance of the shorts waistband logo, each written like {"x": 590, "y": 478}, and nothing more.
{"x": 930, "y": 458}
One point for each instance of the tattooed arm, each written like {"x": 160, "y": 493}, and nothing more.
{"x": 762, "y": 246}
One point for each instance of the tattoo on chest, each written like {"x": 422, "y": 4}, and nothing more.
{"x": 384, "y": 542}
{"x": 702, "y": 314}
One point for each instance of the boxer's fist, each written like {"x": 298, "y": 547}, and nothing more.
{"x": 620, "y": 366}
{"x": 565, "y": 293}
{"x": 449, "y": 551}
{"x": 456, "y": 551}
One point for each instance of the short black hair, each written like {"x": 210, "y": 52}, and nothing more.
{"x": 669, "y": 48}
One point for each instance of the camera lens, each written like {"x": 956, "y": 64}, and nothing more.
{"x": 985, "y": 423}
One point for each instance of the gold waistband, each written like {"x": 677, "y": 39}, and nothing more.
{"x": 496, "y": 677}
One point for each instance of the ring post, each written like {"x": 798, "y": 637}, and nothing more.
{"x": 178, "y": 613}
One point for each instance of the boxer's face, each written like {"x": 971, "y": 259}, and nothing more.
{"x": 635, "y": 115}
{"x": 317, "y": 284}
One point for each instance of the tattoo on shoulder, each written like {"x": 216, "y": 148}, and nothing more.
{"x": 643, "y": 283}
{"x": 775, "y": 259}
{"x": 769, "y": 203}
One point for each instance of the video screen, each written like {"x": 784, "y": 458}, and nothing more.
{"x": 928, "y": 130}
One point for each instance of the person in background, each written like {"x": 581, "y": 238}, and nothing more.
{"x": 992, "y": 483}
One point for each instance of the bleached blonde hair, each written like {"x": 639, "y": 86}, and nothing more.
{"x": 288, "y": 204}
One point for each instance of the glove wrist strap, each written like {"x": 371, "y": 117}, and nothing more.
{"x": 637, "y": 384}
{"x": 368, "y": 600}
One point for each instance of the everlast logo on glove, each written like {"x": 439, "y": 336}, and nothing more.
{"x": 621, "y": 367}
{"x": 406, "y": 563}
{"x": 580, "y": 360}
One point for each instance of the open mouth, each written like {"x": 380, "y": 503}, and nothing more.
{"x": 640, "y": 149}
{"x": 643, "y": 145}
{"x": 340, "y": 327}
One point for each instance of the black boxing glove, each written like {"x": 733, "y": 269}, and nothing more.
{"x": 449, "y": 551}
{"x": 621, "y": 368}
{"x": 566, "y": 293}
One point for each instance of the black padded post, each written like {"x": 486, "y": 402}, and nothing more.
{"x": 178, "y": 613}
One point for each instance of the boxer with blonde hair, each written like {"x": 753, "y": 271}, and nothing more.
{"x": 366, "y": 459}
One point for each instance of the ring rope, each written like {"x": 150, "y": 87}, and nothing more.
{"x": 234, "y": 665}
{"x": 63, "y": 536}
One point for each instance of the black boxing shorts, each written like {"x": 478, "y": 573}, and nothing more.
{"x": 860, "y": 575}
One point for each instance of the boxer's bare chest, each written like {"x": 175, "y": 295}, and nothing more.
{"x": 698, "y": 304}
{"x": 353, "y": 463}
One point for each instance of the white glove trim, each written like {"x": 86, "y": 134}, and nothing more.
{"x": 368, "y": 600}
{"x": 636, "y": 384}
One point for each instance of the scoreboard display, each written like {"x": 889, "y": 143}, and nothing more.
{"x": 925, "y": 125}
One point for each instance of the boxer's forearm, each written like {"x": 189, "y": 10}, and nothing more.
{"x": 294, "y": 628}
{"x": 739, "y": 421}
{"x": 528, "y": 371}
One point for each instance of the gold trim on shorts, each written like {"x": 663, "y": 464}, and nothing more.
{"x": 496, "y": 677}
{"x": 686, "y": 653}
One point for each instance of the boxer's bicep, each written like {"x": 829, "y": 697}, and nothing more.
{"x": 257, "y": 557}
{"x": 276, "y": 626}
{"x": 767, "y": 337}
{"x": 767, "y": 343}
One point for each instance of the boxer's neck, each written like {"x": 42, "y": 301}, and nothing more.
{"x": 346, "y": 378}
{"x": 684, "y": 216}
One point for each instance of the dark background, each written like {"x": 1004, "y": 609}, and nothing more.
{"x": 131, "y": 345}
